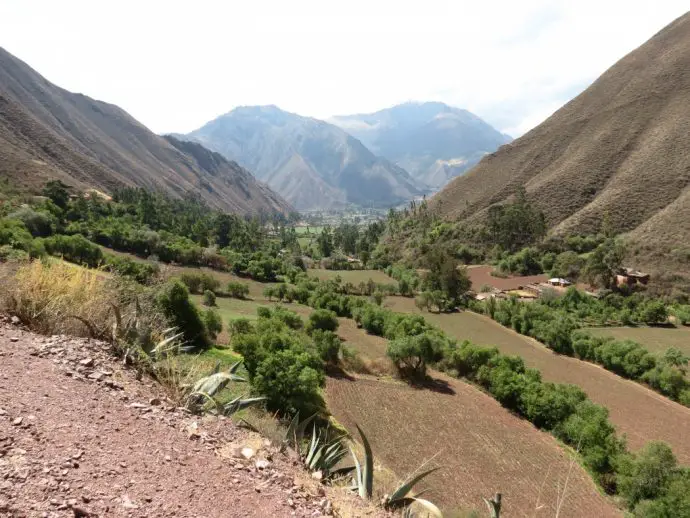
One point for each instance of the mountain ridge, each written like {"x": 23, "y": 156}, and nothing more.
{"x": 302, "y": 157}
{"x": 47, "y": 132}
{"x": 616, "y": 152}
{"x": 432, "y": 140}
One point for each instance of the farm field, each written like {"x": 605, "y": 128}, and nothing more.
{"x": 656, "y": 339}
{"x": 353, "y": 276}
{"x": 313, "y": 230}
{"x": 481, "y": 275}
{"x": 640, "y": 413}
{"x": 480, "y": 447}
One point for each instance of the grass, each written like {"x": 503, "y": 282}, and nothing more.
{"x": 353, "y": 276}
{"x": 656, "y": 339}
{"x": 313, "y": 230}
{"x": 56, "y": 297}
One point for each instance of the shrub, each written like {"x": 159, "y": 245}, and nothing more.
{"x": 238, "y": 290}
{"x": 173, "y": 300}
{"x": 654, "y": 312}
{"x": 328, "y": 345}
{"x": 209, "y": 298}
{"x": 212, "y": 322}
{"x": 39, "y": 224}
{"x": 76, "y": 249}
{"x": 239, "y": 326}
{"x": 411, "y": 354}
{"x": 143, "y": 273}
{"x": 322, "y": 319}
{"x": 646, "y": 474}
{"x": 290, "y": 380}
{"x": 198, "y": 283}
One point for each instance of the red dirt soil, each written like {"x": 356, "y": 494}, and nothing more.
{"x": 480, "y": 447}
{"x": 81, "y": 437}
{"x": 638, "y": 412}
{"x": 481, "y": 275}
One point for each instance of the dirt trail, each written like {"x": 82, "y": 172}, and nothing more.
{"x": 80, "y": 436}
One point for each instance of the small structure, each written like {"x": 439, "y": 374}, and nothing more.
{"x": 631, "y": 277}
{"x": 558, "y": 281}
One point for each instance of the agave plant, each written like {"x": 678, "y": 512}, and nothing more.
{"x": 324, "y": 451}
{"x": 205, "y": 390}
{"x": 402, "y": 497}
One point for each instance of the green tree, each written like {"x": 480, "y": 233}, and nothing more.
{"x": 646, "y": 475}
{"x": 322, "y": 319}
{"x": 446, "y": 277}
{"x": 325, "y": 242}
{"x": 173, "y": 299}
{"x": 604, "y": 263}
{"x": 57, "y": 192}
{"x": 209, "y": 298}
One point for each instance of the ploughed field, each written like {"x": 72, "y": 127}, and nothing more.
{"x": 481, "y": 447}
{"x": 640, "y": 413}
{"x": 481, "y": 275}
{"x": 656, "y": 339}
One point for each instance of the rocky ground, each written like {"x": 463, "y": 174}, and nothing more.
{"x": 80, "y": 436}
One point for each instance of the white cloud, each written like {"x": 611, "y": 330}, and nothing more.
{"x": 174, "y": 65}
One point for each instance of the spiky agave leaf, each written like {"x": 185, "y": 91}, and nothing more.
{"x": 366, "y": 489}
{"x": 196, "y": 398}
{"x": 401, "y": 493}
{"x": 215, "y": 382}
{"x": 359, "y": 479}
{"x": 290, "y": 434}
{"x": 240, "y": 403}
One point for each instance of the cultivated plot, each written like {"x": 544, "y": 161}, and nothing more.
{"x": 640, "y": 413}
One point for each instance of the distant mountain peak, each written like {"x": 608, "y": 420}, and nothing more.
{"x": 418, "y": 136}
{"x": 312, "y": 163}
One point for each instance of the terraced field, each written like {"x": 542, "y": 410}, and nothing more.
{"x": 656, "y": 339}
{"x": 480, "y": 446}
{"x": 640, "y": 413}
{"x": 353, "y": 276}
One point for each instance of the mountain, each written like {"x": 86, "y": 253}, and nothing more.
{"x": 620, "y": 151}
{"x": 49, "y": 133}
{"x": 312, "y": 164}
{"x": 433, "y": 141}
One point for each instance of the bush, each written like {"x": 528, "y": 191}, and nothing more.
{"x": 328, "y": 345}
{"x": 76, "y": 249}
{"x": 209, "y": 298}
{"x": 143, "y": 273}
{"x": 654, "y": 312}
{"x": 411, "y": 354}
{"x": 322, "y": 319}
{"x": 212, "y": 322}
{"x": 39, "y": 224}
{"x": 198, "y": 283}
{"x": 240, "y": 326}
{"x": 646, "y": 475}
{"x": 290, "y": 380}
{"x": 173, "y": 300}
{"x": 238, "y": 290}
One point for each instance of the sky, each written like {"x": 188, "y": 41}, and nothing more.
{"x": 175, "y": 65}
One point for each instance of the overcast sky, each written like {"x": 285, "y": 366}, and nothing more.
{"x": 175, "y": 65}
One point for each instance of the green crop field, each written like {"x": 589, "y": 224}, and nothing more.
{"x": 656, "y": 339}
{"x": 309, "y": 230}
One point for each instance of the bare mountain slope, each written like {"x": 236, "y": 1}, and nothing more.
{"x": 47, "y": 132}
{"x": 621, "y": 148}
{"x": 312, "y": 164}
{"x": 433, "y": 141}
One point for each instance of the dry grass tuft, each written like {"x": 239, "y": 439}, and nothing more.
{"x": 53, "y": 297}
